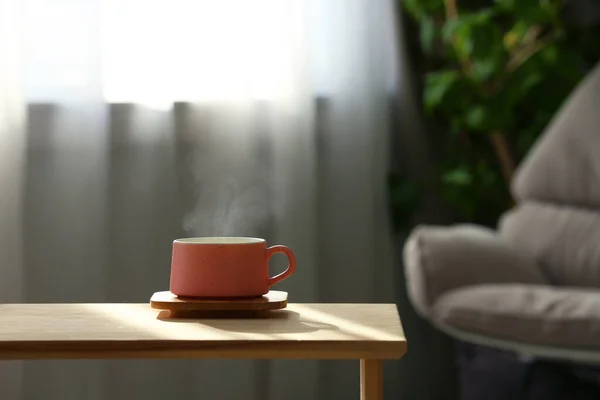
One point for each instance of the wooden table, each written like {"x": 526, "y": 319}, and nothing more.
{"x": 368, "y": 332}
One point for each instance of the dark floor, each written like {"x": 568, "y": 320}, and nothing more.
{"x": 495, "y": 375}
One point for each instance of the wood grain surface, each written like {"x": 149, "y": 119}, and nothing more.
{"x": 320, "y": 331}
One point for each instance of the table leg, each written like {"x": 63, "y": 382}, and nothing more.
{"x": 371, "y": 380}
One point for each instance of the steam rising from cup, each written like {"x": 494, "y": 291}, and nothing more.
{"x": 230, "y": 208}
{"x": 231, "y": 175}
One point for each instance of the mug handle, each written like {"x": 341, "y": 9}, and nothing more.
{"x": 291, "y": 267}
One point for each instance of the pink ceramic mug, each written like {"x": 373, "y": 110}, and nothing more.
{"x": 225, "y": 267}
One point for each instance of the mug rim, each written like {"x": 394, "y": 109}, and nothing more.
{"x": 220, "y": 240}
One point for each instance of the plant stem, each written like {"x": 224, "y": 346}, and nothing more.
{"x": 507, "y": 163}
{"x": 520, "y": 57}
{"x": 532, "y": 34}
{"x": 451, "y": 9}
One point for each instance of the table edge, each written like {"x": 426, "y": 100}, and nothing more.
{"x": 23, "y": 350}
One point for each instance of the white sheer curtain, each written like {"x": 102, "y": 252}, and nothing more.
{"x": 126, "y": 124}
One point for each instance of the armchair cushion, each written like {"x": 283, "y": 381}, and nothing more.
{"x": 564, "y": 241}
{"x": 533, "y": 314}
{"x": 440, "y": 259}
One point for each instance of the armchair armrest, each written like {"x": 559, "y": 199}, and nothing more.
{"x": 439, "y": 259}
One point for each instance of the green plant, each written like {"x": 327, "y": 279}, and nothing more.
{"x": 494, "y": 73}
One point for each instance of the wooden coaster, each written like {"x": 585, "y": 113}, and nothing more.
{"x": 194, "y": 307}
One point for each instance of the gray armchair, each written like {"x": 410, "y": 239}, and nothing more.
{"x": 532, "y": 286}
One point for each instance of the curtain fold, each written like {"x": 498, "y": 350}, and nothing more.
{"x": 106, "y": 186}
{"x": 12, "y": 155}
{"x": 12, "y": 149}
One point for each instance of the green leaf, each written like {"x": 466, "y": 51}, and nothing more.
{"x": 476, "y": 118}
{"x": 415, "y": 8}
{"x": 488, "y": 41}
{"x": 484, "y": 69}
{"x": 427, "y": 34}
{"x": 449, "y": 28}
{"x": 549, "y": 54}
{"x": 419, "y": 9}
{"x": 475, "y": 36}
{"x": 484, "y": 15}
{"x": 460, "y": 176}
{"x": 437, "y": 86}
{"x": 530, "y": 81}
{"x": 464, "y": 41}
{"x": 457, "y": 34}
{"x": 507, "y": 5}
